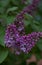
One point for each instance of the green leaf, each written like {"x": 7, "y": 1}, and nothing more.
{"x": 10, "y": 19}
{"x": 36, "y": 26}
{"x": 2, "y": 33}
{"x": 3, "y": 54}
{"x": 1, "y": 10}
{"x": 40, "y": 5}
{"x": 12, "y": 9}
{"x": 26, "y": 22}
{"x": 28, "y": 29}
{"x": 4, "y": 3}
{"x": 28, "y": 17}
{"x": 38, "y": 56}
{"x": 16, "y": 2}
{"x": 36, "y": 23}
{"x": 7, "y": 19}
{"x": 27, "y": 56}
{"x": 38, "y": 18}
{"x": 39, "y": 44}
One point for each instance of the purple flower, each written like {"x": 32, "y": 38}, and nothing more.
{"x": 22, "y": 43}
{"x": 19, "y": 18}
{"x": 31, "y": 8}
{"x": 27, "y": 42}
{"x": 11, "y": 35}
{"x": 15, "y": 33}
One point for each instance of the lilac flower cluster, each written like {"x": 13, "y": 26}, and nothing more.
{"x": 20, "y": 27}
{"x": 19, "y": 18}
{"x": 31, "y": 8}
{"x": 28, "y": 9}
{"x": 15, "y": 34}
{"x": 22, "y": 43}
{"x": 11, "y": 35}
{"x": 27, "y": 42}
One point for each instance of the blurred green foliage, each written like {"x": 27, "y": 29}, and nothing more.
{"x": 8, "y": 11}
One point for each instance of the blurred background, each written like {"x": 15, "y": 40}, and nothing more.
{"x": 8, "y": 11}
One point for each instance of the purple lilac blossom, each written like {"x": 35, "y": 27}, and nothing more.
{"x": 20, "y": 43}
{"x": 11, "y": 35}
{"x": 19, "y": 18}
{"x": 31, "y": 8}
{"x": 15, "y": 33}
{"x": 27, "y": 42}
{"x": 28, "y": 9}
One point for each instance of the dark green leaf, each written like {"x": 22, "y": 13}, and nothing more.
{"x": 39, "y": 44}
{"x": 12, "y": 9}
{"x": 4, "y": 3}
{"x": 40, "y": 5}
{"x": 3, "y": 54}
{"x": 28, "y": 17}
{"x": 38, "y": 56}
{"x": 10, "y": 19}
{"x": 2, "y": 33}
